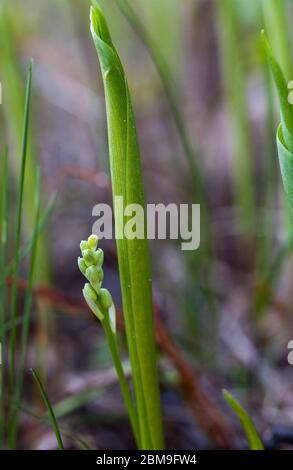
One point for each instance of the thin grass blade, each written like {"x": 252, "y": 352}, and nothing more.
{"x": 27, "y": 314}
{"x": 50, "y": 409}
{"x": 254, "y": 440}
{"x": 18, "y": 228}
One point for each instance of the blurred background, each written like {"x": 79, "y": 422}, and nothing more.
{"x": 207, "y": 116}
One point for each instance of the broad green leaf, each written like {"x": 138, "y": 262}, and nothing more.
{"x": 254, "y": 440}
{"x": 133, "y": 255}
{"x": 282, "y": 89}
{"x": 285, "y": 130}
{"x": 277, "y": 25}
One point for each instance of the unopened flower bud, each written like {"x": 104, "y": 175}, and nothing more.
{"x": 93, "y": 275}
{"x": 101, "y": 275}
{"x": 88, "y": 257}
{"x": 99, "y": 257}
{"x": 91, "y": 298}
{"x": 105, "y": 298}
{"x": 92, "y": 242}
{"x": 89, "y": 292}
{"x": 83, "y": 245}
{"x": 81, "y": 265}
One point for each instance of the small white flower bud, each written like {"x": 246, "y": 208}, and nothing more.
{"x": 99, "y": 257}
{"x": 101, "y": 275}
{"x": 89, "y": 292}
{"x": 93, "y": 275}
{"x": 83, "y": 245}
{"x": 105, "y": 298}
{"x": 91, "y": 298}
{"x": 88, "y": 257}
{"x": 81, "y": 265}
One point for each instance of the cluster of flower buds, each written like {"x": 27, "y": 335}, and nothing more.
{"x": 90, "y": 264}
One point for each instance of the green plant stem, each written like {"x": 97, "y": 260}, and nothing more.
{"x": 50, "y": 410}
{"x": 113, "y": 346}
{"x": 18, "y": 231}
{"x": 3, "y": 288}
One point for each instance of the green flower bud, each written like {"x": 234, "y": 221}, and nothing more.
{"x": 92, "y": 242}
{"x": 90, "y": 298}
{"x": 83, "y": 245}
{"x": 105, "y": 298}
{"x": 101, "y": 275}
{"x": 93, "y": 275}
{"x": 89, "y": 292}
{"x": 99, "y": 257}
{"x": 81, "y": 265}
{"x": 88, "y": 257}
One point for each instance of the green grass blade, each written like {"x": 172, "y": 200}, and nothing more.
{"x": 13, "y": 108}
{"x": 133, "y": 255}
{"x": 13, "y": 105}
{"x": 27, "y": 314}
{"x": 3, "y": 288}
{"x": 50, "y": 410}
{"x": 18, "y": 229}
{"x": 254, "y": 440}
{"x": 72, "y": 403}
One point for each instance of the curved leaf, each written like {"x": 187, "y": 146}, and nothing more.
{"x": 285, "y": 130}
{"x": 254, "y": 440}
{"x": 133, "y": 255}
